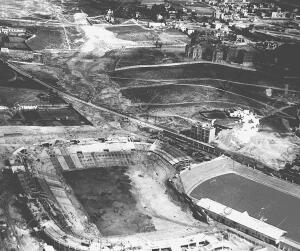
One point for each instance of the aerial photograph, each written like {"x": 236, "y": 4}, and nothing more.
{"x": 149, "y": 125}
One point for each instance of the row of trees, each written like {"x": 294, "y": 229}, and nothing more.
{"x": 142, "y": 12}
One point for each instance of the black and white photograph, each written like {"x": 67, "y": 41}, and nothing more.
{"x": 149, "y": 125}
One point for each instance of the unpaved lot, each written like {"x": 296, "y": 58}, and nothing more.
{"x": 133, "y": 199}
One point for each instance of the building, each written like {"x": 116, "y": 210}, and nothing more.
{"x": 218, "y": 55}
{"x": 204, "y": 132}
{"x": 17, "y": 54}
{"x": 241, "y": 221}
{"x": 288, "y": 245}
{"x": 281, "y": 15}
{"x": 204, "y": 51}
{"x": 150, "y": 3}
{"x": 13, "y": 31}
{"x": 249, "y": 57}
{"x": 231, "y": 54}
{"x": 243, "y": 55}
{"x": 207, "y": 51}
{"x": 197, "y": 52}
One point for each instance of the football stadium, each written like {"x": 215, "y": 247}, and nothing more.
{"x": 131, "y": 211}
{"x": 244, "y": 198}
{"x": 114, "y": 194}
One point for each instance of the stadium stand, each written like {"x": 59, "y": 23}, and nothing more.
{"x": 52, "y": 209}
{"x": 169, "y": 153}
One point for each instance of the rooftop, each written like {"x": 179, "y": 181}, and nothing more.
{"x": 242, "y": 219}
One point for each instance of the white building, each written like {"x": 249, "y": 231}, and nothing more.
{"x": 242, "y": 221}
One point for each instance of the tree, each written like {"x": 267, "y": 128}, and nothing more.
{"x": 157, "y": 10}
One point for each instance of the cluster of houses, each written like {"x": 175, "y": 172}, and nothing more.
{"x": 220, "y": 53}
{"x": 229, "y": 10}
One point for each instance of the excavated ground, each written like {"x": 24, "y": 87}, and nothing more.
{"x": 105, "y": 194}
{"x": 131, "y": 199}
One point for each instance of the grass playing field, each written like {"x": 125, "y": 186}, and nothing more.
{"x": 280, "y": 209}
{"x": 106, "y": 195}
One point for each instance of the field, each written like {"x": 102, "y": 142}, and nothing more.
{"x": 106, "y": 195}
{"x": 175, "y": 106}
{"x": 262, "y": 202}
{"x": 246, "y": 189}
{"x": 16, "y": 90}
{"x": 144, "y": 35}
{"x": 168, "y": 87}
{"x": 9, "y": 78}
{"x": 11, "y": 96}
{"x": 146, "y": 56}
{"x": 91, "y": 7}
{"x": 132, "y": 199}
{"x": 130, "y": 28}
{"x": 47, "y": 38}
{"x": 30, "y": 9}
{"x": 201, "y": 70}
{"x": 183, "y": 95}
{"x": 52, "y": 117}
{"x": 132, "y": 33}
{"x": 171, "y": 101}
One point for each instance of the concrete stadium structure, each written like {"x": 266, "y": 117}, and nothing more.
{"x": 197, "y": 174}
{"x": 58, "y": 215}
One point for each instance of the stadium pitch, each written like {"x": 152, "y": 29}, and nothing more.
{"x": 106, "y": 194}
{"x": 260, "y": 201}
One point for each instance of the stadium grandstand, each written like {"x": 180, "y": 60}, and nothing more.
{"x": 170, "y": 153}
{"x": 55, "y": 211}
{"x": 241, "y": 221}
{"x": 63, "y": 223}
{"x": 197, "y": 174}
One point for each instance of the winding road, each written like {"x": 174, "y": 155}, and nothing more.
{"x": 182, "y": 63}
{"x": 169, "y": 82}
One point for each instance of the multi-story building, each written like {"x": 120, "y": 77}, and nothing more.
{"x": 13, "y": 31}
{"x": 194, "y": 52}
{"x": 244, "y": 55}
{"x": 218, "y": 54}
{"x": 204, "y": 132}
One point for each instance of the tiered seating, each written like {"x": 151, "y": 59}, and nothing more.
{"x": 46, "y": 189}
{"x": 162, "y": 163}
{"x": 76, "y": 160}
{"x": 45, "y": 200}
{"x": 144, "y": 147}
{"x": 45, "y": 168}
{"x": 108, "y": 159}
{"x": 53, "y": 182}
{"x": 172, "y": 160}
{"x": 61, "y": 159}
{"x": 63, "y": 239}
{"x": 69, "y": 162}
{"x": 86, "y": 160}
{"x": 169, "y": 153}
{"x": 56, "y": 163}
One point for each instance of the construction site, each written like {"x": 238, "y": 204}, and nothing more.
{"x": 138, "y": 211}
{"x": 112, "y": 138}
